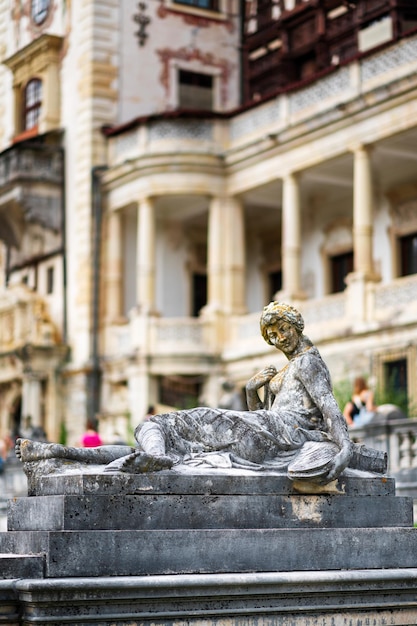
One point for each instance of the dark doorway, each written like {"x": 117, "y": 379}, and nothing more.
{"x": 199, "y": 295}
{"x": 340, "y": 266}
{"x": 275, "y": 283}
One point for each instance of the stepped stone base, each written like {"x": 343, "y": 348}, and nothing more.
{"x": 325, "y": 598}
{"x": 206, "y": 548}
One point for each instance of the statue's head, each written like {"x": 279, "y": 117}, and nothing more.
{"x": 276, "y": 311}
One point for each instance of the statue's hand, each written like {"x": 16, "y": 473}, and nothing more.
{"x": 340, "y": 462}
{"x": 262, "y": 378}
{"x": 256, "y": 382}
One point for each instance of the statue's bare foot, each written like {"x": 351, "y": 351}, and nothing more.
{"x": 140, "y": 462}
{"x": 27, "y": 450}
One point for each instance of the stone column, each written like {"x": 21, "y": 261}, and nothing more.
{"x": 215, "y": 255}
{"x": 114, "y": 278}
{"x": 31, "y": 399}
{"x": 291, "y": 238}
{"x": 359, "y": 303}
{"x": 362, "y": 212}
{"x": 234, "y": 256}
{"x": 145, "y": 285}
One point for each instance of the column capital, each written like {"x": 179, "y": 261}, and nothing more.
{"x": 359, "y": 146}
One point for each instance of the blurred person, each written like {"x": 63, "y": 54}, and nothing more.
{"x": 361, "y": 407}
{"x": 91, "y": 438}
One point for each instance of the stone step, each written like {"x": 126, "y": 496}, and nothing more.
{"x": 160, "y": 552}
{"x": 377, "y": 597}
{"x": 21, "y": 566}
{"x": 191, "y": 481}
{"x": 157, "y": 512}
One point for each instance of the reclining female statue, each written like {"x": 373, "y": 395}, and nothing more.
{"x": 297, "y": 426}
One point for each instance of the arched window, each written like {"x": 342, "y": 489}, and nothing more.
{"x": 39, "y": 10}
{"x": 32, "y": 103}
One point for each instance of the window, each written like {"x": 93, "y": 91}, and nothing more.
{"x": 36, "y": 108}
{"x": 50, "y": 280}
{"x": 340, "y": 266}
{"x": 408, "y": 255}
{"x": 32, "y": 103}
{"x": 39, "y": 11}
{"x": 195, "y": 90}
{"x": 210, "y": 5}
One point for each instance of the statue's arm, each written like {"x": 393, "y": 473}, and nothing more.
{"x": 316, "y": 379}
{"x": 253, "y": 385}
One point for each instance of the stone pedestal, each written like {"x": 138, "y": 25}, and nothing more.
{"x": 210, "y": 548}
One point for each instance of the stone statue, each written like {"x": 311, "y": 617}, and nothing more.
{"x": 296, "y": 427}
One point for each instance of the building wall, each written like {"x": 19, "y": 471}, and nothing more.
{"x": 177, "y": 37}
{"x": 212, "y": 189}
{"x": 335, "y": 147}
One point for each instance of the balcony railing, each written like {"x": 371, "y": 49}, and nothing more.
{"x": 24, "y": 163}
{"x": 397, "y": 437}
{"x": 325, "y": 318}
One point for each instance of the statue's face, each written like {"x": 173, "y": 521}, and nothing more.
{"x": 283, "y": 336}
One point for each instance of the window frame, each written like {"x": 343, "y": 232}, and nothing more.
{"x": 34, "y": 107}
{"x": 387, "y": 357}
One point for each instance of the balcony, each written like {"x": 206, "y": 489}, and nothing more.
{"x": 31, "y": 178}
{"x": 23, "y": 163}
{"x": 24, "y": 320}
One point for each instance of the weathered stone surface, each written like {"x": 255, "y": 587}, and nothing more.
{"x": 179, "y": 511}
{"x": 214, "y": 482}
{"x": 135, "y": 553}
{"x": 377, "y": 597}
{"x": 24, "y": 542}
{"x": 9, "y": 603}
{"x": 21, "y": 566}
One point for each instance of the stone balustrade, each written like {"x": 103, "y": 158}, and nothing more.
{"x": 325, "y": 318}
{"x": 397, "y": 437}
